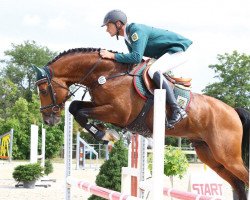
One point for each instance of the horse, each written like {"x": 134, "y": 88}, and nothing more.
{"x": 218, "y": 132}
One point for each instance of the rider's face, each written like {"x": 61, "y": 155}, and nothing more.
{"x": 111, "y": 29}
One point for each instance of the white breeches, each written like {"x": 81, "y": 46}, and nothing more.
{"x": 167, "y": 62}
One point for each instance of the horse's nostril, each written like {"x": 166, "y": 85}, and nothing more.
{"x": 46, "y": 122}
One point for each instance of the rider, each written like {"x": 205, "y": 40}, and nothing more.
{"x": 165, "y": 46}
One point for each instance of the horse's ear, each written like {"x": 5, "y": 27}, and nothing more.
{"x": 40, "y": 74}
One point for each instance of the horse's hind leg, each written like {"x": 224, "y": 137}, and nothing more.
{"x": 228, "y": 153}
{"x": 206, "y": 156}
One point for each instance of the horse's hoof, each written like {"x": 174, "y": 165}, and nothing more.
{"x": 111, "y": 135}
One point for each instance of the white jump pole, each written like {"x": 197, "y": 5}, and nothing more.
{"x": 158, "y": 143}
{"x": 33, "y": 143}
{"x": 78, "y": 153}
{"x": 42, "y": 156}
{"x": 68, "y": 134}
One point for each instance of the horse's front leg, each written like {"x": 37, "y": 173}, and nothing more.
{"x": 83, "y": 110}
{"x": 105, "y": 113}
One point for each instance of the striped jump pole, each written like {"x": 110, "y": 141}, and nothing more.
{"x": 186, "y": 195}
{"x": 99, "y": 191}
{"x": 68, "y": 138}
{"x": 177, "y": 194}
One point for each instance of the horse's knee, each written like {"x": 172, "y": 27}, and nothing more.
{"x": 75, "y": 110}
{"x": 74, "y": 107}
{"x": 81, "y": 119}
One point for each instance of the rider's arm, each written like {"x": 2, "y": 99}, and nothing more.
{"x": 137, "y": 47}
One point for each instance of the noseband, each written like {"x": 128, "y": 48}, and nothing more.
{"x": 55, "y": 107}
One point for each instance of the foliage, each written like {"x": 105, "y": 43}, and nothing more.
{"x": 28, "y": 172}
{"x": 175, "y": 162}
{"x": 233, "y": 86}
{"x": 18, "y": 66}
{"x": 8, "y": 96}
{"x": 19, "y": 102}
{"x": 54, "y": 141}
{"x": 48, "y": 167}
{"x": 233, "y": 83}
{"x": 110, "y": 172}
{"x": 20, "y": 122}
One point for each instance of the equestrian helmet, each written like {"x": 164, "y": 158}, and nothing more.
{"x": 113, "y": 16}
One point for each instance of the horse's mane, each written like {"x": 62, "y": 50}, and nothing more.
{"x": 77, "y": 50}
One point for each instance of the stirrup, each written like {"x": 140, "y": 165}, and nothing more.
{"x": 171, "y": 125}
{"x": 168, "y": 125}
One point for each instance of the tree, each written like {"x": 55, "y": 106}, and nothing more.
{"x": 175, "y": 163}
{"x": 18, "y": 66}
{"x": 110, "y": 172}
{"x": 19, "y": 121}
{"x": 8, "y": 96}
{"x": 54, "y": 141}
{"x": 19, "y": 103}
{"x": 233, "y": 83}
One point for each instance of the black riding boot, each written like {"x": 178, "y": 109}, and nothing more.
{"x": 178, "y": 112}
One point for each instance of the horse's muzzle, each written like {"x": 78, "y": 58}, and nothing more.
{"x": 51, "y": 120}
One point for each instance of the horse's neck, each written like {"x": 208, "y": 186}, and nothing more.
{"x": 74, "y": 70}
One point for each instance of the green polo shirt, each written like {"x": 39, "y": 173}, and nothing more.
{"x": 150, "y": 42}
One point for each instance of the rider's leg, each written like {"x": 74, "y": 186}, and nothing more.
{"x": 177, "y": 112}
{"x": 168, "y": 62}
{"x": 163, "y": 64}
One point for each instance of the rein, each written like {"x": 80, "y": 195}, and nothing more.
{"x": 90, "y": 71}
{"x": 96, "y": 83}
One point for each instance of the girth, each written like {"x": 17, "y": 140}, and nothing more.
{"x": 138, "y": 125}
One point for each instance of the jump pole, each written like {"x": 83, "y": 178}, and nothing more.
{"x": 34, "y": 145}
{"x": 99, "y": 191}
{"x": 138, "y": 152}
{"x": 137, "y": 167}
{"x": 82, "y": 148}
{"x": 68, "y": 134}
{"x": 158, "y": 143}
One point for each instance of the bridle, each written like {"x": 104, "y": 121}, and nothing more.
{"x": 55, "y": 106}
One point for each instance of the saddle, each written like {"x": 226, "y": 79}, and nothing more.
{"x": 144, "y": 85}
{"x": 186, "y": 82}
{"x": 145, "y": 88}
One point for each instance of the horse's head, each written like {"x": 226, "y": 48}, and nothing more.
{"x": 53, "y": 94}
{"x": 82, "y": 66}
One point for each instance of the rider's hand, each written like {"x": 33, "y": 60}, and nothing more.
{"x": 106, "y": 54}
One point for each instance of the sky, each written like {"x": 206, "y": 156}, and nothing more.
{"x": 214, "y": 26}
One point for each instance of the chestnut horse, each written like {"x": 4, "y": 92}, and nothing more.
{"x": 215, "y": 129}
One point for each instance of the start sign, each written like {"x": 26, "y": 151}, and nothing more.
{"x": 211, "y": 189}
{"x": 206, "y": 183}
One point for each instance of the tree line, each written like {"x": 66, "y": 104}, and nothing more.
{"x": 19, "y": 101}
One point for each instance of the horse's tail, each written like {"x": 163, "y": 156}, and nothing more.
{"x": 245, "y": 120}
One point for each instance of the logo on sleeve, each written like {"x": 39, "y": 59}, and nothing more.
{"x": 134, "y": 37}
